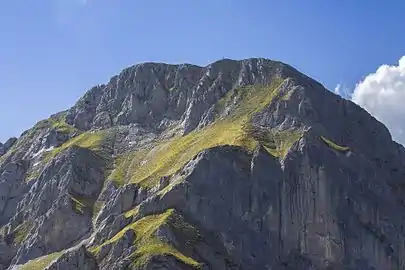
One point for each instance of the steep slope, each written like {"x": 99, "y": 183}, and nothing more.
{"x": 238, "y": 165}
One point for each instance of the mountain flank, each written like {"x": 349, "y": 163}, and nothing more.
{"x": 237, "y": 165}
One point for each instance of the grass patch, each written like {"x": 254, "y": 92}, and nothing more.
{"x": 335, "y": 146}
{"x": 168, "y": 157}
{"x": 78, "y": 206}
{"x": 146, "y": 242}
{"x": 277, "y": 143}
{"x": 92, "y": 140}
{"x": 156, "y": 247}
{"x": 81, "y": 204}
{"x": 60, "y": 125}
{"x": 248, "y": 100}
{"x": 41, "y": 262}
{"x": 98, "y": 205}
{"x": 96, "y": 141}
{"x": 21, "y": 232}
{"x": 33, "y": 174}
{"x": 125, "y": 165}
{"x": 132, "y": 212}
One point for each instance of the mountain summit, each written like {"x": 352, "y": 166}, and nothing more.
{"x": 237, "y": 165}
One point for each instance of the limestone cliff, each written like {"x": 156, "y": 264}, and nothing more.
{"x": 237, "y": 165}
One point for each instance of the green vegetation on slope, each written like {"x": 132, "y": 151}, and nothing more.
{"x": 131, "y": 213}
{"x": 248, "y": 100}
{"x": 33, "y": 174}
{"x": 60, "y": 125}
{"x": 97, "y": 206}
{"x": 56, "y": 123}
{"x": 168, "y": 157}
{"x": 92, "y": 140}
{"x": 97, "y": 141}
{"x": 276, "y": 143}
{"x": 148, "y": 244}
{"x": 80, "y": 204}
{"x": 335, "y": 146}
{"x": 126, "y": 164}
{"x": 148, "y": 165}
{"x": 41, "y": 262}
{"x": 21, "y": 232}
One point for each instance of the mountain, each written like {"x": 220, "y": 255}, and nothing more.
{"x": 237, "y": 165}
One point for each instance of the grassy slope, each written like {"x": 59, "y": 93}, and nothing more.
{"x": 41, "y": 262}
{"x": 148, "y": 165}
{"x": 92, "y": 140}
{"x": 148, "y": 244}
{"x": 21, "y": 232}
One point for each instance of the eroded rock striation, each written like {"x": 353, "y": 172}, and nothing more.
{"x": 237, "y": 165}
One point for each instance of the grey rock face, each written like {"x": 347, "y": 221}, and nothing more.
{"x": 59, "y": 204}
{"x": 108, "y": 228}
{"x": 114, "y": 254}
{"x": 225, "y": 197}
{"x": 77, "y": 172}
{"x": 323, "y": 214}
{"x": 122, "y": 200}
{"x": 334, "y": 199}
{"x": 6, "y": 254}
{"x": 7, "y": 145}
{"x": 77, "y": 258}
{"x": 154, "y": 94}
{"x": 12, "y": 188}
{"x": 164, "y": 263}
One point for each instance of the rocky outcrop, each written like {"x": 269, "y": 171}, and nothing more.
{"x": 297, "y": 178}
{"x": 12, "y": 188}
{"x": 59, "y": 204}
{"x": 156, "y": 95}
{"x": 7, "y": 145}
{"x": 120, "y": 201}
{"x": 116, "y": 255}
{"x": 76, "y": 258}
{"x": 164, "y": 262}
{"x": 6, "y": 254}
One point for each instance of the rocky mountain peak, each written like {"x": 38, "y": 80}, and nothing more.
{"x": 244, "y": 164}
{"x": 158, "y": 95}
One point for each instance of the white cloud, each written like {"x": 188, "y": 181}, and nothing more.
{"x": 342, "y": 91}
{"x": 383, "y": 95}
{"x": 337, "y": 89}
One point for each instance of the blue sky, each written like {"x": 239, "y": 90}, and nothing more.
{"x": 52, "y": 51}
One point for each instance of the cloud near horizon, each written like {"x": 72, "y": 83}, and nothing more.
{"x": 382, "y": 94}
{"x": 342, "y": 90}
